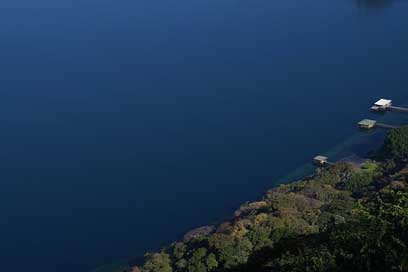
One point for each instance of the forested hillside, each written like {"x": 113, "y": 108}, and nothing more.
{"x": 344, "y": 218}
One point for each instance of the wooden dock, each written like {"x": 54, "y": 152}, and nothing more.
{"x": 400, "y": 109}
{"x": 368, "y": 124}
{"x": 321, "y": 161}
{"x": 381, "y": 125}
{"x": 384, "y": 105}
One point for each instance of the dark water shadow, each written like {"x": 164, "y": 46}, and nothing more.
{"x": 373, "y": 5}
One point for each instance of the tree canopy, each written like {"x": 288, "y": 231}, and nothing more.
{"x": 341, "y": 219}
{"x": 396, "y": 143}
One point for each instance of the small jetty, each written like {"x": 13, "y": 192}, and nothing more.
{"x": 400, "y": 109}
{"x": 381, "y": 125}
{"x": 384, "y": 105}
{"x": 368, "y": 124}
{"x": 321, "y": 161}
{"x": 354, "y": 160}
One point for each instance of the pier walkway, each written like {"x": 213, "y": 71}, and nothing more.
{"x": 401, "y": 109}
{"x": 381, "y": 125}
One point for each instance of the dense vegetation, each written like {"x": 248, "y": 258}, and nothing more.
{"x": 344, "y": 218}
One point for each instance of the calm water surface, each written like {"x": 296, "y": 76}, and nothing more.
{"x": 125, "y": 123}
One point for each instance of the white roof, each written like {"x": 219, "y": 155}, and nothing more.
{"x": 383, "y": 102}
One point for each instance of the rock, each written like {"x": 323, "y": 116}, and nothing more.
{"x": 198, "y": 233}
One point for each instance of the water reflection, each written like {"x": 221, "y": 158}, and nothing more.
{"x": 373, "y": 4}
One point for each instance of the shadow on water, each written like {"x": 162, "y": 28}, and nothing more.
{"x": 373, "y": 5}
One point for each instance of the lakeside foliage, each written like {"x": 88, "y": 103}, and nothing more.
{"x": 341, "y": 219}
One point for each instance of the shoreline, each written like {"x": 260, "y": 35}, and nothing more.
{"x": 346, "y": 148}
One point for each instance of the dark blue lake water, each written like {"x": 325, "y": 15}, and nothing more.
{"x": 126, "y": 123}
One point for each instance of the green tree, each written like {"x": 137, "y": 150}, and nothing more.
{"x": 158, "y": 262}
{"x": 231, "y": 251}
{"x": 396, "y": 143}
{"x": 211, "y": 262}
{"x": 181, "y": 264}
{"x": 359, "y": 182}
{"x": 196, "y": 263}
{"x": 260, "y": 236}
{"x": 179, "y": 250}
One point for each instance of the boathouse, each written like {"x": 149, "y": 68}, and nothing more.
{"x": 367, "y": 124}
{"x": 382, "y": 105}
{"x": 320, "y": 160}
